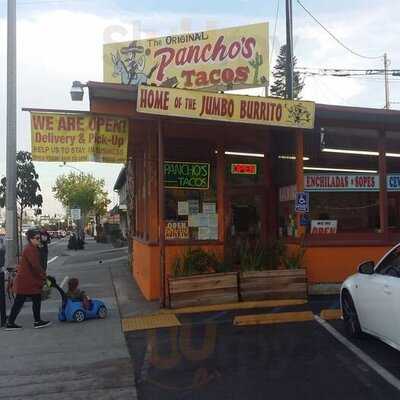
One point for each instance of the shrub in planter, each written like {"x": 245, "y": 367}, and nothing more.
{"x": 195, "y": 261}
{"x": 293, "y": 260}
{"x": 199, "y": 278}
{"x": 279, "y": 277}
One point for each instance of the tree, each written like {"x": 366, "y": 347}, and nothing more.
{"x": 28, "y": 188}
{"x": 279, "y": 86}
{"x": 82, "y": 191}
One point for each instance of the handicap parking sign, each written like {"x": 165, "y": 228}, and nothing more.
{"x": 302, "y": 202}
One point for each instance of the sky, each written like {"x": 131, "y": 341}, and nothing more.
{"x": 61, "y": 41}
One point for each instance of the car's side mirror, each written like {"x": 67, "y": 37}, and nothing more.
{"x": 367, "y": 267}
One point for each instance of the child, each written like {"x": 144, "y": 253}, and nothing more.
{"x": 74, "y": 293}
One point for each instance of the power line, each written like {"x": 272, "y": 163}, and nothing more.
{"x": 348, "y": 69}
{"x": 333, "y": 36}
{"x": 276, "y": 23}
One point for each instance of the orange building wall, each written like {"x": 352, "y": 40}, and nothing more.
{"x": 146, "y": 264}
{"x": 335, "y": 264}
{"x": 146, "y": 269}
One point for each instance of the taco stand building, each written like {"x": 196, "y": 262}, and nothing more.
{"x": 212, "y": 170}
{"x": 222, "y": 182}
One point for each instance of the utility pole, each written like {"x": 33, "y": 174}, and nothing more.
{"x": 289, "y": 50}
{"x": 11, "y": 163}
{"x": 385, "y": 64}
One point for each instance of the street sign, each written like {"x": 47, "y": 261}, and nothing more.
{"x": 75, "y": 213}
{"x": 302, "y": 202}
{"x": 304, "y": 220}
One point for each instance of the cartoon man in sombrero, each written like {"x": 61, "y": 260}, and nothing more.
{"x": 135, "y": 63}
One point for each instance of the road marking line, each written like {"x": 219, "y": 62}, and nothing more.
{"x": 64, "y": 282}
{"x": 149, "y": 322}
{"x": 273, "y": 318}
{"x": 234, "y": 306}
{"x": 53, "y": 259}
{"x": 385, "y": 374}
{"x": 329, "y": 314}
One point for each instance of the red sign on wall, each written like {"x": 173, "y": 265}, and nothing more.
{"x": 244, "y": 169}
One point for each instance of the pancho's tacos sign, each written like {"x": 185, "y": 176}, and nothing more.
{"x": 216, "y": 59}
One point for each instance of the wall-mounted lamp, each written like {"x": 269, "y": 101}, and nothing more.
{"x": 77, "y": 91}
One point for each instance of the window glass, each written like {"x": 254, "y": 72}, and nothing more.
{"x": 391, "y": 264}
{"x": 353, "y": 211}
{"x": 242, "y": 170}
{"x": 192, "y": 214}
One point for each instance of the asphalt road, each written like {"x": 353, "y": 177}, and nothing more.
{"x": 209, "y": 358}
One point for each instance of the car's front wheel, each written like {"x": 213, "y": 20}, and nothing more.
{"x": 102, "y": 312}
{"x": 350, "y": 317}
{"x": 79, "y": 316}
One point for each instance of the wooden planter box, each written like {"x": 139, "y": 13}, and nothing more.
{"x": 271, "y": 285}
{"x": 204, "y": 289}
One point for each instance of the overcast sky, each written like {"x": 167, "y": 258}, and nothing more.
{"x": 61, "y": 41}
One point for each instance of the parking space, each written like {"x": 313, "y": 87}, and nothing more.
{"x": 209, "y": 357}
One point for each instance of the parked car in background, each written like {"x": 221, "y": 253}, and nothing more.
{"x": 26, "y": 228}
{"x": 370, "y": 299}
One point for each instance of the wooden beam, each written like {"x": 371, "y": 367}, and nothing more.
{"x": 161, "y": 217}
{"x": 299, "y": 174}
{"x": 383, "y": 197}
{"x": 221, "y": 190}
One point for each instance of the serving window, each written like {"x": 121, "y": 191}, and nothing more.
{"x": 191, "y": 209}
{"x": 191, "y": 213}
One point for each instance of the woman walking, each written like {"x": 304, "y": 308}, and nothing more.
{"x": 29, "y": 282}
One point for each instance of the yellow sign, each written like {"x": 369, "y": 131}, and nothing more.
{"x": 216, "y": 59}
{"x": 176, "y": 230}
{"x": 79, "y": 137}
{"x": 224, "y": 107}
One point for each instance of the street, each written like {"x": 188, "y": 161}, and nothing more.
{"x": 209, "y": 358}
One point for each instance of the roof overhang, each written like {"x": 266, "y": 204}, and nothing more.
{"x": 323, "y": 112}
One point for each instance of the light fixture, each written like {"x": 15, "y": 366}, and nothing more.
{"x": 358, "y": 152}
{"x": 77, "y": 91}
{"x": 235, "y": 153}
{"x": 283, "y": 157}
{"x": 367, "y": 171}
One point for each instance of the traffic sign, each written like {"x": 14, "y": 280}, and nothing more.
{"x": 75, "y": 213}
{"x": 302, "y": 202}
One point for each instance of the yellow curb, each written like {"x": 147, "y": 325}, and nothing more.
{"x": 330, "y": 314}
{"x": 149, "y": 322}
{"x": 278, "y": 318}
{"x": 234, "y": 306}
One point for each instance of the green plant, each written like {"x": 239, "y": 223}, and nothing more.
{"x": 196, "y": 261}
{"x": 253, "y": 257}
{"x": 294, "y": 259}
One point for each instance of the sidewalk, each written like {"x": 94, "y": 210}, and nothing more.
{"x": 69, "y": 360}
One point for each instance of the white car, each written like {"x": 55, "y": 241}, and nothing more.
{"x": 370, "y": 299}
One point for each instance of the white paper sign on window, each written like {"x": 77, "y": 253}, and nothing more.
{"x": 323, "y": 227}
